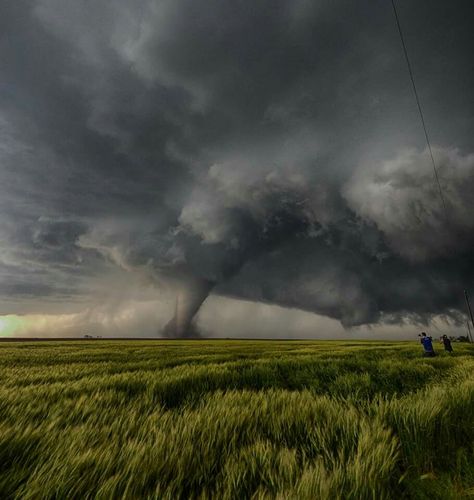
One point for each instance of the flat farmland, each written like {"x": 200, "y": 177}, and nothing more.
{"x": 235, "y": 419}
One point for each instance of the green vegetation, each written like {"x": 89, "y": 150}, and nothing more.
{"x": 235, "y": 419}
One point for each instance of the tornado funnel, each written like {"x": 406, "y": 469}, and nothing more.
{"x": 188, "y": 301}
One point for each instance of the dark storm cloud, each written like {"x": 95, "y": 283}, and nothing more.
{"x": 267, "y": 150}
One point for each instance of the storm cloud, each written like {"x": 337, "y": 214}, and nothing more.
{"x": 267, "y": 151}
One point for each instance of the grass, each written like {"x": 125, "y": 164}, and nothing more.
{"x": 235, "y": 419}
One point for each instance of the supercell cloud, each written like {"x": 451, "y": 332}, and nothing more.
{"x": 269, "y": 151}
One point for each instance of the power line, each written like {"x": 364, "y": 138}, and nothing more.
{"x": 412, "y": 78}
{"x": 435, "y": 170}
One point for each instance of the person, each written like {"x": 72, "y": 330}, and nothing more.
{"x": 427, "y": 343}
{"x": 447, "y": 344}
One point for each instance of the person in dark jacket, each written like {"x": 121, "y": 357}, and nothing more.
{"x": 427, "y": 343}
{"x": 447, "y": 344}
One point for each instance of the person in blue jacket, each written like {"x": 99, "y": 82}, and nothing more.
{"x": 427, "y": 343}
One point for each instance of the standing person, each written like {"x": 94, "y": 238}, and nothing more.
{"x": 447, "y": 344}
{"x": 427, "y": 343}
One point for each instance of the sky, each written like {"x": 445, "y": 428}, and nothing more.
{"x": 259, "y": 166}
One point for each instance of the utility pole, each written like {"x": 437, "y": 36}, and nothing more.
{"x": 469, "y": 336}
{"x": 466, "y": 296}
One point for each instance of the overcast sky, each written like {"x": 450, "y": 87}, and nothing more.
{"x": 268, "y": 153}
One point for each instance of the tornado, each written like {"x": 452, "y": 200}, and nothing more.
{"x": 188, "y": 302}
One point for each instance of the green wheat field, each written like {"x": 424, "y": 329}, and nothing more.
{"x": 235, "y": 419}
